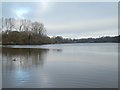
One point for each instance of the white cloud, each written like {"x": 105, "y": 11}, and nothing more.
{"x": 96, "y": 25}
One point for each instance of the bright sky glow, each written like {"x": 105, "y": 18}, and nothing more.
{"x": 44, "y": 6}
{"x": 20, "y": 13}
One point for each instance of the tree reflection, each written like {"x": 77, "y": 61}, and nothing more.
{"x": 14, "y": 58}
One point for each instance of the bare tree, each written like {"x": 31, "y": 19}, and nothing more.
{"x": 38, "y": 28}
{"x": 11, "y": 23}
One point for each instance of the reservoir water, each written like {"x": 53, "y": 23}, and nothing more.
{"x": 82, "y": 65}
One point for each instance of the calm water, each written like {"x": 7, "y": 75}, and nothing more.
{"x": 87, "y": 65}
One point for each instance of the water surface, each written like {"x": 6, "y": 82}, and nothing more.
{"x": 87, "y": 65}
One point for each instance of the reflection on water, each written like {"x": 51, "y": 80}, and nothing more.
{"x": 20, "y": 65}
{"x": 23, "y": 58}
{"x": 69, "y": 66}
{"x": 17, "y": 64}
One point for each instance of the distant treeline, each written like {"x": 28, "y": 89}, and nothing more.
{"x": 107, "y": 39}
{"x": 24, "y": 32}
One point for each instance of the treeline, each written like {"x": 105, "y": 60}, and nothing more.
{"x": 23, "y": 32}
{"x": 24, "y": 38}
{"x": 106, "y": 39}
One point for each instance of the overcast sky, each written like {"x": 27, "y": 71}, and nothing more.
{"x": 68, "y": 19}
